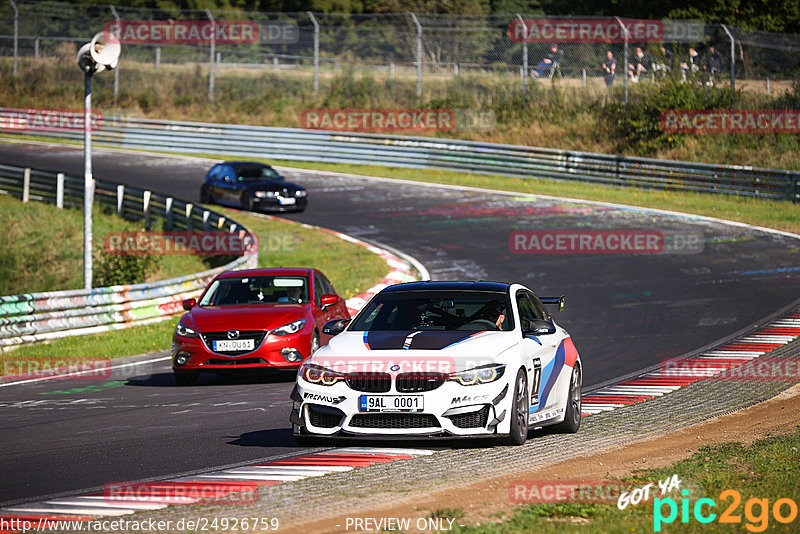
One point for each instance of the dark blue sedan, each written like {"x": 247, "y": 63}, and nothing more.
{"x": 251, "y": 187}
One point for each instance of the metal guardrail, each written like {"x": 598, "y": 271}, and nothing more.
{"x": 433, "y": 153}
{"x": 40, "y": 316}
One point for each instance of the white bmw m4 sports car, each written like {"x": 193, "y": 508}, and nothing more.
{"x": 442, "y": 359}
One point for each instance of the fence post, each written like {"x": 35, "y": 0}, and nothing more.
{"x": 146, "y": 208}
{"x": 524, "y": 54}
{"x": 16, "y": 34}
{"x": 36, "y": 49}
{"x": 211, "y": 56}
{"x": 158, "y": 57}
{"x": 796, "y": 197}
{"x": 116, "y": 70}
{"x": 733, "y": 66}
{"x": 419, "y": 54}
{"x": 26, "y": 184}
{"x": 625, "y": 63}
{"x": 767, "y": 85}
{"x": 584, "y": 77}
{"x": 316, "y": 51}
{"x": 189, "y": 208}
{"x": 168, "y": 212}
{"x": 275, "y": 64}
{"x": 120, "y": 201}
{"x": 60, "y": 190}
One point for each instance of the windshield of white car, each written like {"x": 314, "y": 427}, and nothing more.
{"x": 254, "y": 173}
{"x": 430, "y": 310}
{"x": 257, "y": 290}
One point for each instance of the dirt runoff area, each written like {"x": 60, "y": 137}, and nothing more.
{"x": 489, "y": 500}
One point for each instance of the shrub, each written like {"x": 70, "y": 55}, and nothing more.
{"x": 637, "y": 128}
{"x": 119, "y": 269}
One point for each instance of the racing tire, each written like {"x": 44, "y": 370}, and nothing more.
{"x": 572, "y": 413}
{"x": 185, "y": 379}
{"x": 247, "y": 201}
{"x": 518, "y": 433}
{"x": 205, "y": 196}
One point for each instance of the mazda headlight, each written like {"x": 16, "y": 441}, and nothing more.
{"x": 320, "y": 375}
{"x": 265, "y": 194}
{"x": 479, "y": 375}
{"x": 184, "y": 331}
{"x": 291, "y": 328}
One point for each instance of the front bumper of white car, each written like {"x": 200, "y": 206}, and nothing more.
{"x": 448, "y": 410}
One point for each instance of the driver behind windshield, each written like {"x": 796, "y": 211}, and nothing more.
{"x": 499, "y": 317}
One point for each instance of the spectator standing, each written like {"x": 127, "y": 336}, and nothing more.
{"x": 712, "y": 64}
{"x": 609, "y": 68}
{"x": 664, "y": 64}
{"x": 689, "y": 64}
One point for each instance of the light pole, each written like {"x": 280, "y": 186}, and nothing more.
{"x": 102, "y": 53}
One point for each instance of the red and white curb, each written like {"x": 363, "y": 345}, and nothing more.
{"x": 205, "y": 488}
{"x": 705, "y": 365}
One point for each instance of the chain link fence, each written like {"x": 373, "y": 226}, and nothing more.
{"x": 411, "y": 56}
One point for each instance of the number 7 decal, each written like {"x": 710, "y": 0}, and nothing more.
{"x": 536, "y": 382}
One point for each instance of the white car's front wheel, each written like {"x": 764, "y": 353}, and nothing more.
{"x": 572, "y": 414}
{"x": 519, "y": 410}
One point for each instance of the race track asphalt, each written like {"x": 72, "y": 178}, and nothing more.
{"x": 625, "y": 313}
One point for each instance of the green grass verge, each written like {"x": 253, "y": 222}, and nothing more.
{"x": 43, "y": 247}
{"x": 350, "y": 267}
{"x": 766, "y": 470}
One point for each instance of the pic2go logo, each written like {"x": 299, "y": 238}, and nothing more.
{"x": 756, "y": 511}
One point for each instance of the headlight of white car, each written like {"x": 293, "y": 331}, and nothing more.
{"x": 184, "y": 331}
{"x": 320, "y": 375}
{"x": 479, "y": 375}
{"x": 291, "y": 328}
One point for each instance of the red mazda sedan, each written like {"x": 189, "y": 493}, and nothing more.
{"x": 254, "y": 319}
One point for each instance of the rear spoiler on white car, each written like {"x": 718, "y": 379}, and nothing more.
{"x": 554, "y": 300}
